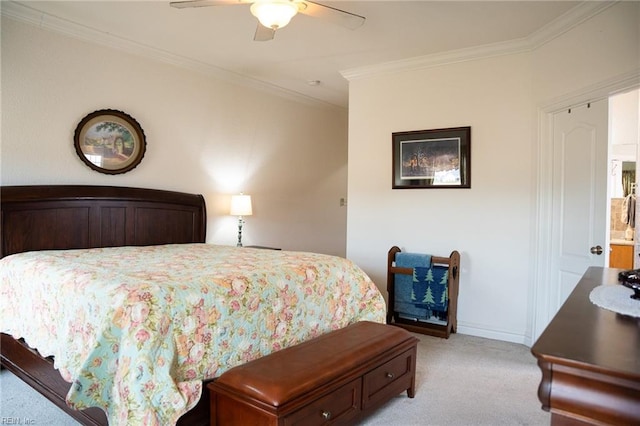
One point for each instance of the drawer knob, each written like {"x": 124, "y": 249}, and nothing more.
{"x": 389, "y": 375}
{"x": 326, "y": 415}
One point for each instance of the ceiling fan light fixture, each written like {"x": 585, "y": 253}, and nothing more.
{"x": 274, "y": 14}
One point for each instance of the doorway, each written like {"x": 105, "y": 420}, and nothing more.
{"x": 623, "y": 180}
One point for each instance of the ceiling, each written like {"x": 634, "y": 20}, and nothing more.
{"x": 219, "y": 39}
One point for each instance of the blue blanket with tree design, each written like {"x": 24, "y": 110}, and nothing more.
{"x": 421, "y": 295}
{"x": 430, "y": 287}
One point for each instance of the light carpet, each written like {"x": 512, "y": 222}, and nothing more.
{"x": 460, "y": 381}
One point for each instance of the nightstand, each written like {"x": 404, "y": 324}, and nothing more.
{"x": 263, "y": 247}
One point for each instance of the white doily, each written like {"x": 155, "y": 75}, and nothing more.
{"x": 615, "y": 298}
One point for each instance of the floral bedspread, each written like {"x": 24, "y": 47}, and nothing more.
{"x": 136, "y": 329}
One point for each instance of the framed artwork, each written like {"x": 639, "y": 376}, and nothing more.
{"x": 110, "y": 141}
{"x": 439, "y": 158}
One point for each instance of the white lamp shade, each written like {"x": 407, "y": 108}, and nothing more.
{"x": 241, "y": 205}
{"x": 274, "y": 14}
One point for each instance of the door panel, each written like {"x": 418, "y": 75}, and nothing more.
{"x": 580, "y": 146}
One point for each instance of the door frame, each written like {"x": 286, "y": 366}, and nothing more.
{"x": 540, "y": 288}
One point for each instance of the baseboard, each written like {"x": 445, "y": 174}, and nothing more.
{"x": 493, "y": 334}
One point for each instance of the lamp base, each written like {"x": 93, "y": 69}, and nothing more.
{"x": 240, "y": 223}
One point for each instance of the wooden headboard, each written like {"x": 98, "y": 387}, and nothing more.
{"x": 48, "y": 217}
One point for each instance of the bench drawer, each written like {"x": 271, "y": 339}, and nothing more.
{"x": 338, "y": 407}
{"x": 389, "y": 379}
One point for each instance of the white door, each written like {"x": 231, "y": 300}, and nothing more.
{"x": 579, "y": 213}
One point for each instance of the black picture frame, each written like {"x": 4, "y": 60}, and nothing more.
{"x": 438, "y": 158}
{"x": 110, "y": 141}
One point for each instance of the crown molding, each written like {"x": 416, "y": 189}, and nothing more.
{"x": 571, "y": 19}
{"x": 555, "y": 28}
{"x": 603, "y": 89}
{"x": 22, "y": 12}
{"x": 438, "y": 59}
{"x": 584, "y": 11}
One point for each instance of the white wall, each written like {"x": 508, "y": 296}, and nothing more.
{"x": 491, "y": 223}
{"x": 203, "y": 135}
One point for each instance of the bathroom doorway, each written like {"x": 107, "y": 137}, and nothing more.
{"x": 624, "y": 143}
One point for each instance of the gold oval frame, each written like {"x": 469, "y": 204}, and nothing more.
{"x": 110, "y": 141}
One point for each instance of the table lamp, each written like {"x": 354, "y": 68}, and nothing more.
{"x": 240, "y": 206}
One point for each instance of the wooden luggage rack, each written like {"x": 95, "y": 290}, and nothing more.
{"x": 425, "y": 326}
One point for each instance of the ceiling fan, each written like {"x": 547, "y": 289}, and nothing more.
{"x": 275, "y": 14}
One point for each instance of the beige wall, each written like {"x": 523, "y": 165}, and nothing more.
{"x": 217, "y": 138}
{"x": 599, "y": 49}
{"x": 492, "y": 223}
{"x": 487, "y": 224}
{"x": 204, "y": 136}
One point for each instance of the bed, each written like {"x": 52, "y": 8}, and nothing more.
{"x": 112, "y": 301}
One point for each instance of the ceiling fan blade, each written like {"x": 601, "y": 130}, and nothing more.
{"x": 337, "y": 16}
{"x": 263, "y": 33}
{"x": 204, "y": 3}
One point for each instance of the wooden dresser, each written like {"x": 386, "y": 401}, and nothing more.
{"x": 590, "y": 360}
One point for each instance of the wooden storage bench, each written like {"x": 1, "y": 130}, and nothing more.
{"x": 336, "y": 378}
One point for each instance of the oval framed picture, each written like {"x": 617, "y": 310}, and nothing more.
{"x": 110, "y": 141}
